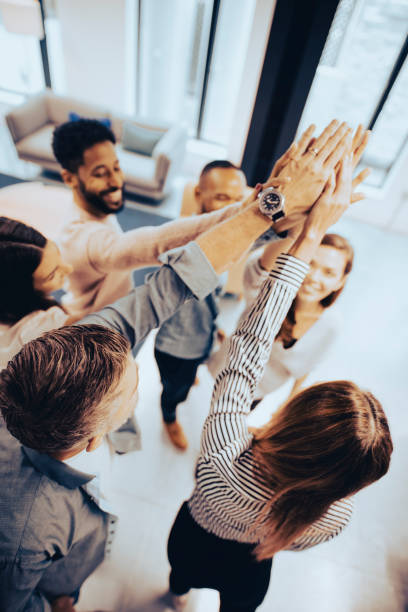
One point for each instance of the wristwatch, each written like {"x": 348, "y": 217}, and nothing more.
{"x": 272, "y": 203}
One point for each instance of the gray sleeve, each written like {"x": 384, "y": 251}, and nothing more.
{"x": 186, "y": 274}
{"x": 18, "y": 589}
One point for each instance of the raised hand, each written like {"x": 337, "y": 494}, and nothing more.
{"x": 335, "y": 199}
{"x": 309, "y": 168}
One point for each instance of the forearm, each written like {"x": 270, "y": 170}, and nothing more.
{"x": 141, "y": 247}
{"x": 225, "y": 243}
{"x": 249, "y": 350}
{"x": 181, "y": 231}
{"x": 271, "y": 252}
{"x": 306, "y": 244}
{"x": 188, "y": 274}
{"x": 297, "y": 386}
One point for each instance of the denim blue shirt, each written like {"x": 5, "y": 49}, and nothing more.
{"x": 53, "y": 531}
{"x": 189, "y": 333}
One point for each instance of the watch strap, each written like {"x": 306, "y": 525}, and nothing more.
{"x": 278, "y": 215}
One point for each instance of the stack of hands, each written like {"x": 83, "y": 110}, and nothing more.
{"x": 316, "y": 177}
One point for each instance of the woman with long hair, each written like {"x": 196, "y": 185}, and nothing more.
{"x": 31, "y": 269}
{"x": 311, "y": 324}
{"x": 288, "y": 485}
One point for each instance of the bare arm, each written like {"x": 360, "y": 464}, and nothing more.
{"x": 141, "y": 247}
{"x": 297, "y": 386}
{"x": 271, "y": 252}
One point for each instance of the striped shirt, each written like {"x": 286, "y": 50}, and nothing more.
{"x": 230, "y": 494}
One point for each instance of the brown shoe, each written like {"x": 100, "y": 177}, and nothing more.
{"x": 176, "y": 435}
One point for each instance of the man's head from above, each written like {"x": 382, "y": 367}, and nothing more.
{"x": 220, "y": 183}
{"x": 85, "y": 149}
{"x": 65, "y": 390}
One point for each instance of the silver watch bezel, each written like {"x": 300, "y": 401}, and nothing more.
{"x": 265, "y": 210}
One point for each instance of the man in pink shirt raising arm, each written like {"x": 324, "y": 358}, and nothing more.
{"x": 102, "y": 255}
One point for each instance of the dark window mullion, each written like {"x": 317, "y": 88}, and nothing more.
{"x": 210, "y": 49}
{"x": 390, "y": 84}
{"x": 44, "y": 50}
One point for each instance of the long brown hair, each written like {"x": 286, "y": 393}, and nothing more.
{"x": 21, "y": 249}
{"x": 328, "y": 442}
{"x": 285, "y": 334}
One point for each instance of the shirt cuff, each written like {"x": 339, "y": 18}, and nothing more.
{"x": 192, "y": 266}
{"x": 290, "y": 269}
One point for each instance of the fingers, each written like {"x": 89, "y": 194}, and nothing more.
{"x": 304, "y": 141}
{"x": 332, "y": 143}
{"x": 322, "y": 140}
{"x": 342, "y": 145}
{"x": 357, "y": 136}
{"x": 277, "y": 181}
{"x": 360, "y": 177}
{"x": 331, "y": 184}
{"x": 283, "y": 161}
{"x": 357, "y": 197}
{"x": 345, "y": 174}
{"x": 359, "y": 149}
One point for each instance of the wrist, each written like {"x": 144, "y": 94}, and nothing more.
{"x": 290, "y": 201}
{"x": 306, "y": 244}
{"x": 257, "y": 216}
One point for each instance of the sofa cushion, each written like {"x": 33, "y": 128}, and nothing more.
{"x": 139, "y": 139}
{"x": 38, "y": 144}
{"x": 59, "y": 109}
{"x": 138, "y": 169}
{"x": 27, "y": 118}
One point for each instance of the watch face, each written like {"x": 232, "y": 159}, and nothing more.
{"x": 270, "y": 200}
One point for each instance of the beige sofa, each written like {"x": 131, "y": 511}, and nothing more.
{"x": 31, "y": 126}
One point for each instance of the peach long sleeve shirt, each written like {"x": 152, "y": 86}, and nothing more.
{"x": 103, "y": 256}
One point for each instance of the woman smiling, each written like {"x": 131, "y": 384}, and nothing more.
{"x": 31, "y": 270}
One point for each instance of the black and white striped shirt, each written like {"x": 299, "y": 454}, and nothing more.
{"x": 229, "y": 494}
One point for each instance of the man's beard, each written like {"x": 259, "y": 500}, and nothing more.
{"x": 97, "y": 201}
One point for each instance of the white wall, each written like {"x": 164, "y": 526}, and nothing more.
{"x": 94, "y": 50}
{"x": 245, "y": 100}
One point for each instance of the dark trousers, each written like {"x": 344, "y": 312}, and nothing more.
{"x": 177, "y": 377}
{"x": 200, "y": 559}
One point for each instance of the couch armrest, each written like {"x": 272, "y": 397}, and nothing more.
{"x": 27, "y": 118}
{"x": 169, "y": 151}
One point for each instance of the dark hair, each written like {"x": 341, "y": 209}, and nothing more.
{"x": 218, "y": 163}
{"x": 341, "y": 244}
{"x": 52, "y": 392}
{"x": 328, "y": 442}
{"x": 20, "y": 255}
{"x": 71, "y": 139}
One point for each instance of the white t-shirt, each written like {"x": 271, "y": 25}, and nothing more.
{"x": 12, "y": 337}
{"x": 283, "y": 364}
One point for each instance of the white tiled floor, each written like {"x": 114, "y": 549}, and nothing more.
{"x": 363, "y": 570}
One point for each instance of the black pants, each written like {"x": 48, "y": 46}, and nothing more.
{"x": 200, "y": 559}
{"x": 177, "y": 377}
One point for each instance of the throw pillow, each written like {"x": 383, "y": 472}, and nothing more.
{"x": 139, "y": 139}
{"x": 104, "y": 120}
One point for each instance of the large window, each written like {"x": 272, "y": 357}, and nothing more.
{"x": 21, "y": 70}
{"x": 362, "y": 70}
{"x": 170, "y": 60}
{"x": 191, "y": 55}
